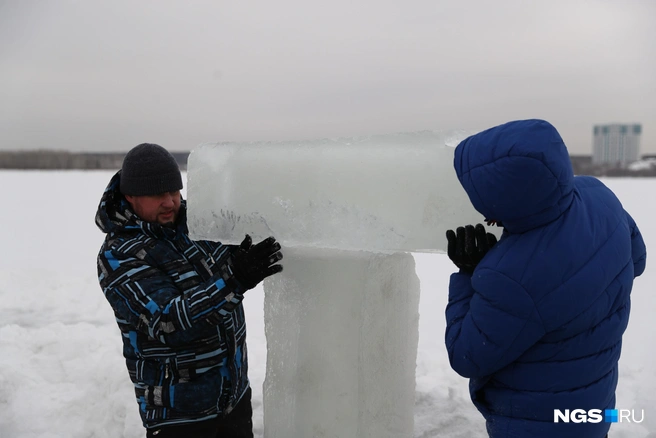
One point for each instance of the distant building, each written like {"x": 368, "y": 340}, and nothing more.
{"x": 616, "y": 143}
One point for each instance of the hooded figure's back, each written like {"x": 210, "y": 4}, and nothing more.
{"x": 539, "y": 325}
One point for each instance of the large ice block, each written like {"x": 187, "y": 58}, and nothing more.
{"x": 395, "y": 192}
{"x": 342, "y": 333}
{"x": 341, "y": 320}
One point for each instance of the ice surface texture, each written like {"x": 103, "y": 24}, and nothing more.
{"x": 394, "y": 192}
{"x": 342, "y": 333}
{"x": 342, "y": 318}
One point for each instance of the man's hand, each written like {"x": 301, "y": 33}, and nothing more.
{"x": 467, "y": 246}
{"x": 253, "y": 263}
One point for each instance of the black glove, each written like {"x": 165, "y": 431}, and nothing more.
{"x": 467, "y": 246}
{"x": 253, "y": 263}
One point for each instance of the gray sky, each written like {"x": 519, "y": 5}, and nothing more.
{"x": 107, "y": 75}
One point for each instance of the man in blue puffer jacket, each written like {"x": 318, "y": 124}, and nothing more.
{"x": 536, "y": 322}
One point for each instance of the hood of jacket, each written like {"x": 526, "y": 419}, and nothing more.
{"x": 115, "y": 214}
{"x": 518, "y": 173}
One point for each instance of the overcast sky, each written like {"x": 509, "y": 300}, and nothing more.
{"x": 106, "y": 75}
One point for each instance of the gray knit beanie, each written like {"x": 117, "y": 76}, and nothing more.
{"x": 149, "y": 169}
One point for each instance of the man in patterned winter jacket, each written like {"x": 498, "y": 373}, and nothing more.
{"x": 177, "y": 302}
{"x": 536, "y": 320}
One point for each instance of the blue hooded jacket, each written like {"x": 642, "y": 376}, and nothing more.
{"x": 539, "y": 324}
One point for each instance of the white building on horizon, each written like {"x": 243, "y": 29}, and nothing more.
{"x": 616, "y": 143}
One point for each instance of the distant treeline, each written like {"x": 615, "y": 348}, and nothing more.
{"x": 583, "y": 165}
{"x": 49, "y": 159}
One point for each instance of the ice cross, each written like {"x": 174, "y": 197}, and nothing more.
{"x": 341, "y": 320}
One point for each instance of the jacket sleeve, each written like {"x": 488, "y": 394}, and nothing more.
{"x": 638, "y": 248}
{"x": 491, "y": 321}
{"x": 147, "y": 298}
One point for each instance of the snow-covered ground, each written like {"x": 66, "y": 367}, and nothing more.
{"x": 62, "y": 373}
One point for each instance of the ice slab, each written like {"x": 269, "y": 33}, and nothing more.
{"x": 395, "y": 192}
{"x": 342, "y": 318}
{"x": 342, "y": 334}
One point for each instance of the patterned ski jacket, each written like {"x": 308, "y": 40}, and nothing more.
{"x": 179, "y": 311}
{"x": 539, "y": 324}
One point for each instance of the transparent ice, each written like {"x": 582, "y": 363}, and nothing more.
{"x": 394, "y": 192}
{"x": 341, "y": 320}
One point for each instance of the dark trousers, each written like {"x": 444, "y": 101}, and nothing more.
{"x": 237, "y": 424}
